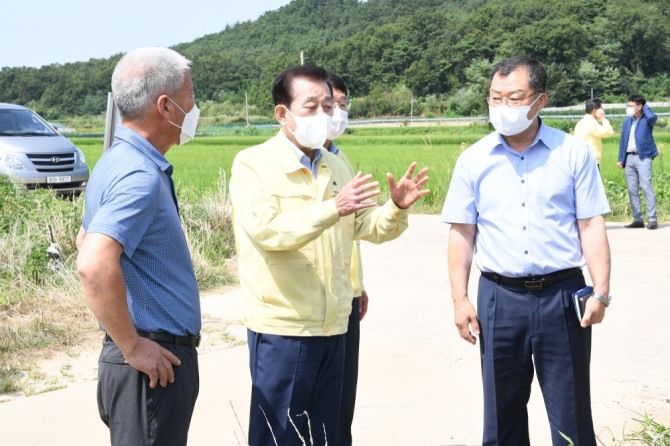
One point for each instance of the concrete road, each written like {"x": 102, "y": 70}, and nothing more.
{"x": 419, "y": 382}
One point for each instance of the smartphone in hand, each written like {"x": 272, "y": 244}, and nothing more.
{"x": 579, "y": 298}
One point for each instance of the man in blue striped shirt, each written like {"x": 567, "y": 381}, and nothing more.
{"x": 134, "y": 263}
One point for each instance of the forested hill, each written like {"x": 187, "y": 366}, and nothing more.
{"x": 435, "y": 50}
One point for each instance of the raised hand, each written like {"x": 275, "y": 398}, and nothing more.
{"x": 408, "y": 190}
{"x": 354, "y": 194}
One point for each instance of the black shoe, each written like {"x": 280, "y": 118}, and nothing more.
{"x": 652, "y": 225}
{"x": 636, "y": 224}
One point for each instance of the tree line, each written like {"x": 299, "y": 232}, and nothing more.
{"x": 432, "y": 55}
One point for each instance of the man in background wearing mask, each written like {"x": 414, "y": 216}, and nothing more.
{"x": 359, "y": 305}
{"x": 134, "y": 263}
{"x": 593, "y": 127}
{"x": 637, "y": 149}
{"x": 528, "y": 201}
{"x": 297, "y": 211}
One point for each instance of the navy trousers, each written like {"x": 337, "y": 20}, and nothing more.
{"x": 523, "y": 332}
{"x": 296, "y": 384}
{"x": 350, "y": 375}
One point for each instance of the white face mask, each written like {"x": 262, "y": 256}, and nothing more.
{"x": 189, "y": 124}
{"x": 310, "y": 131}
{"x": 510, "y": 121}
{"x": 630, "y": 111}
{"x": 340, "y": 123}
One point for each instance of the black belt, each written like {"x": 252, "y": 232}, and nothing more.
{"x": 631, "y": 153}
{"x": 534, "y": 283}
{"x": 190, "y": 340}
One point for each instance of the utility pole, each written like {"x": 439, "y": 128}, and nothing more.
{"x": 411, "y": 106}
{"x": 246, "y": 105}
{"x": 302, "y": 58}
{"x": 112, "y": 119}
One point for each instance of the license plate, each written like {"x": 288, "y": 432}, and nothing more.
{"x": 62, "y": 179}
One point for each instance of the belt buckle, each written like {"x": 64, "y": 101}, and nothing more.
{"x": 533, "y": 285}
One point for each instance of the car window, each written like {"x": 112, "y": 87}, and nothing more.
{"x": 16, "y": 122}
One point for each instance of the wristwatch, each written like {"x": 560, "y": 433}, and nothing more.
{"x": 603, "y": 299}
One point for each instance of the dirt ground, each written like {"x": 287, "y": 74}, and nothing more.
{"x": 419, "y": 382}
{"x": 49, "y": 371}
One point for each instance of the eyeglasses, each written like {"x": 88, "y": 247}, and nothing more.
{"x": 343, "y": 104}
{"x": 495, "y": 101}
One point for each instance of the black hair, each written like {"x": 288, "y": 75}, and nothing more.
{"x": 537, "y": 75}
{"x": 593, "y": 104}
{"x": 281, "y": 87}
{"x": 637, "y": 98}
{"x": 336, "y": 82}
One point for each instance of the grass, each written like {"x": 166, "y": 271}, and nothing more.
{"x": 9, "y": 379}
{"x": 42, "y": 308}
{"x": 650, "y": 433}
{"x": 200, "y": 163}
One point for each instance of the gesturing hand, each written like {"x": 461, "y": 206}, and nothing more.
{"x": 354, "y": 194}
{"x": 408, "y": 190}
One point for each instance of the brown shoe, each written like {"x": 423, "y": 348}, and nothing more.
{"x": 652, "y": 225}
{"x": 635, "y": 224}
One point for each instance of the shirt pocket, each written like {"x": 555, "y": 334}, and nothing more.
{"x": 293, "y": 287}
{"x": 294, "y": 197}
{"x": 556, "y": 198}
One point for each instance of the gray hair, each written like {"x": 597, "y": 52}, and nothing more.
{"x": 142, "y": 75}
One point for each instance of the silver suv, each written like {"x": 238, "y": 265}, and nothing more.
{"x": 37, "y": 155}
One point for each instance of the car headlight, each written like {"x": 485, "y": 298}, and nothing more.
{"x": 82, "y": 157}
{"x": 11, "y": 161}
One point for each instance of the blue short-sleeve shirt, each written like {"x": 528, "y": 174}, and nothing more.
{"x": 129, "y": 198}
{"x": 526, "y": 205}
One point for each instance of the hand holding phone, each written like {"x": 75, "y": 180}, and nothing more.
{"x": 579, "y": 299}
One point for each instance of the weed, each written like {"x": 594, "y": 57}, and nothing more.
{"x": 297, "y": 431}
{"x": 238, "y": 424}
{"x": 651, "y": 433}
{"x": 9, "y": 379}
{"x": 208, "y": 226}
{"x": 41, "y": 304}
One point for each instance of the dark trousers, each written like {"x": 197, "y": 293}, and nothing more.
{"x": 138, "y": 415}
{"x": 520, "y": 329}
{"x": 296, "y": 376}
{"x": 350, "y": 375}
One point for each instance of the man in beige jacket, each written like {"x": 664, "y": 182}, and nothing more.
{"x": 593, "y": 127}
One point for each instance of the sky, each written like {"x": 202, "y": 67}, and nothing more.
{"x": 34, "y": 34}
